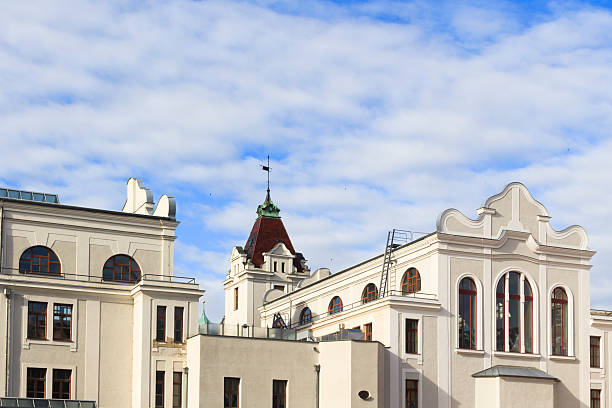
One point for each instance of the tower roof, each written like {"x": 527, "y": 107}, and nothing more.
{"x": 268, "y": 230}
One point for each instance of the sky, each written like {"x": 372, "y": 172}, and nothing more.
{"x": 376, "y": 115}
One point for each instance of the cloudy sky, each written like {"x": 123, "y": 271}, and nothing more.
{"x": 376, "y": 115}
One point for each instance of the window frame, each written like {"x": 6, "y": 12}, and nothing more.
{"x": 303, "y": 320}
{"x": 133, "y": 269}
{"x": 38, "y": 381}
{"x": 178, "y": 383}
{"x": 470, "y": 293}
{"x": 179, "y": 320}
{"x": 279, "y": 401}
{"x": 410, "y": 284}
{"x": 36, "y": 327}
{"x": 595, "y": 398}
{"x": 50, "y": 300}
{"x": 570, "y": 322}
{"x": 160, "y": 329}
{"x": 160, "y": 385}
{"x": 369, "y": 293}
{"x": 535, "y": 318}
{"x": 60, "y": 382}
{"x": 595, "y": 347}
{"x": 51, "y": 259}
{"x": 367, "y": 331}
{"x": 65, "y": 316}
{"x": 235, "y": 383}
{"x": 412, "y": 332}
{"x": 333, "y": 307}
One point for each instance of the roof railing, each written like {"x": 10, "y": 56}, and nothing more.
{"x": 98, "y": 278}
{"x": 45, "y": 403}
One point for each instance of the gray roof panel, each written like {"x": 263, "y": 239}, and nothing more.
{"x": 513, "y": 371}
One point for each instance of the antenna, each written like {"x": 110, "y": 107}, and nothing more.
{"x": 267, "y": 168}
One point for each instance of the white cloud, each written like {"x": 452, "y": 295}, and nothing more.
{"x": 372, "y": 123}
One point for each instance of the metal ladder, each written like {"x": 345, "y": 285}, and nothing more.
{"x": 395, "y": 238}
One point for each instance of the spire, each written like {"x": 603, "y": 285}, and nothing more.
{"x": 268, "y": 208}
{"x": 203, "y": 319}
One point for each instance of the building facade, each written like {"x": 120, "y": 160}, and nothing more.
{"x": 474, "y": 312}
{"x": 91, "y": 307}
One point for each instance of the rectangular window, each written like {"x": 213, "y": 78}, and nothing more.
{"x": 274, "y": 266}
{"x": 595, "y": 361}
{"x": 235, "y": 298}
{"x": 178, "y": 324}
{"x": 231, "y": 392}
{"x": 367, "y": 329}
{"x": 279, "y": 393}
{"x": 61, "y": 384}
{"x": 177, "y": 389}
{"x": 159, "y": 389}
{"x": 412, "y": 394}
{"x": 412, "y": 333}
{"x": 282, "y": 267}
{"x": 62, "y": 322}
{"x": 161, "y": 324}
{"x": 279, "y": 287}
{"x": 595, "y": 398}
{"x": 35, "y": 382}
{"x": 37, "y": 320}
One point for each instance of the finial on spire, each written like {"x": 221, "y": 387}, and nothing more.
{"x": 268, "y": 208}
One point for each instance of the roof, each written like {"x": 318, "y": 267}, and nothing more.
{"x": 268, "y": 230}
{"x": 513, "y": 371}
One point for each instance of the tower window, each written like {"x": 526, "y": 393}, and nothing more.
{"x": 235, "y": 298}
{"x": 231, "y": 392}
{"x": 121, "y": 268}
{"x": 61, "y": 384}
{"x": 39, "y": 260}
{"x": 411, "y": 281}
{"x": 177, "y": 390}
{"x": 159, "y": 389}
{"x": 412, "y": 332}
{"x": 279, "y": 393}
{"x": 161, "y": 324}
{"x": 595, "y": 351}
{"x": 178, "y": 324}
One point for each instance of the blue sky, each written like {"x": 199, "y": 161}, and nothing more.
{"x": 376, "y": 115}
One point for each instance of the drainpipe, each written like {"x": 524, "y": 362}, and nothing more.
{"x": 317, "y": 371}
{"x": 7, "y": 294}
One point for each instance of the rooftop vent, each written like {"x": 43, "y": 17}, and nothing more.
{"x": 29, "y": 196}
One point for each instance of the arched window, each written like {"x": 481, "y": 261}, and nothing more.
{"x": 467, "y": 314}
{"x": 39, "y": 260}
{"x": 369, "y": 293}
{"x": 121, "y": 268}
{"x": 559, "y": 322}
{"x": 514, "y": 330}
{"x": 335, "y": 306}
{"x": 305, "y": 316}
{"x": 411, "y": 281}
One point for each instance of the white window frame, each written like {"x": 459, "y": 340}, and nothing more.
{"x": 479, "y": 314}
{"x": 23, "y": 388}
{"x": 50, "y": 301}
{"x": 419, "y": 354}
{"x": 412, "y": 374}
{"x": 570, "y": 321}
{"x": 536, "y": 312}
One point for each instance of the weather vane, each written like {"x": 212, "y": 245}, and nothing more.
{"x": 267, "y": 168}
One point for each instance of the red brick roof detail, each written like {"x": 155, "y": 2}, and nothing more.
{"x": 265, "y": 234}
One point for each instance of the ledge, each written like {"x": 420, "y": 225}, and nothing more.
{"x": 516, "y": 355}
{"x": 470, "y": 352}
{"x": 562, "y": 358}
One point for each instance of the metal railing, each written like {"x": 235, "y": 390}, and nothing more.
{"x": 354, "y": 305}
{"x": 45, "y": 403}
{"x": 245, "y": 330}
{"x": 97, "y": 278}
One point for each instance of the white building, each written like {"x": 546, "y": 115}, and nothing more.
{"x": 491, "y": 311}
{"x": 90, "y": 302}
{"x": 485, "y": 312}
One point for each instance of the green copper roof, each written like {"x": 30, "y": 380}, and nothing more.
{"x": 203, "y": 319}
{"x": 268, "y": 208}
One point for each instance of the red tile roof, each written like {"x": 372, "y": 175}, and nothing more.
{"x": 265, "y": 234}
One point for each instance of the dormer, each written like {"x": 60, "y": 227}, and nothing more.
{"x": 238, "y": 261}
{"x": 279, "y": 260}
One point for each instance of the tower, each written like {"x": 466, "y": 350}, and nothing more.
{"x": 267, "y": 265}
